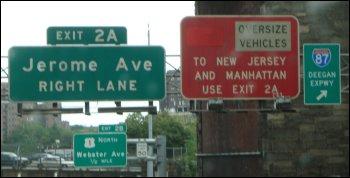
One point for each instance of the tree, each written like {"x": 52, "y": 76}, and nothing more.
{"x": 163, "y": 124}
{"x": 178, "y": 134}
{"x": 167, "y": 125}
{"x": 27, "y": 136}
{"x": 137, "y": 126}
{"x": 82, "y": 129}
{"x": 32, "y": 137}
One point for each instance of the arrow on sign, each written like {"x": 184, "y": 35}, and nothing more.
{"x": 321, "y": 95}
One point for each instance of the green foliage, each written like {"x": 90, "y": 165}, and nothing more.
{"x": 189, "y": 161}
{"x": 32, "y": 137}
{"x": 82, "y": 129}
{"x": 137, "y": 126}
{"x": 167, "y": 125}
{"x": 163, "y": 124}
{"x": 178, "y": 134}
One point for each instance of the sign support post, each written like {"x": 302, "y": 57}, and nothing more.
{"x": 150, "y": 148}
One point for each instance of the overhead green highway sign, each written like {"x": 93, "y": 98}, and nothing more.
{"x": 86, "y": 35}
{"x": 87, "y": 73}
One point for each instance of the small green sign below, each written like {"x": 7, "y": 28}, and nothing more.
{"x": 100, "y": 150}
{"x": 112, "y": 128}
{"x": 86, "y": 35}
{"x": 322, "y": 74}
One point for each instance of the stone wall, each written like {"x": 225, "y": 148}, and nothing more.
{"x": 314, "y": 141}
{"x": 308, "y": 143}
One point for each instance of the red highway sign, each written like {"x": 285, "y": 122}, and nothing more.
{"x": 240, "y": 57}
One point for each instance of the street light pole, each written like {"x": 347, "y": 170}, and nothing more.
{"x": 57, "y": 141}
{"x": 150, "y": 129}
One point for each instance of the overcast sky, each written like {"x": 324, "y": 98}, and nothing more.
{"x": 25, "y": 24}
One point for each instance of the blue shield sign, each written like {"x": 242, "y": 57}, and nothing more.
{"x": 321, "y": 56}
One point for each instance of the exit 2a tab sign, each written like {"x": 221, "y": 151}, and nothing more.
{"x": 240, "y": 57}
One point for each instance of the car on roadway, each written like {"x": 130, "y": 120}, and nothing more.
{"x": 12, "y": 160}
{"x": 37, "y": 156}
{"x": 54, "y": 162}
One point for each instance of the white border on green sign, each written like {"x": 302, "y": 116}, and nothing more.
{"x": 339, "y": 73}
{"x": 118, "y": 166}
